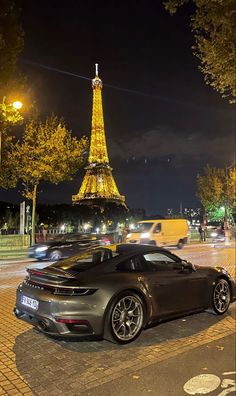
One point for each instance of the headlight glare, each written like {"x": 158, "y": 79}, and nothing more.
{"x": 41, "y": 248}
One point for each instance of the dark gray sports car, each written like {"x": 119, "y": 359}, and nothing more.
{"x": 116, "y": 291}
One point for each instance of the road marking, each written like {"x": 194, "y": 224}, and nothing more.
{"x": 206, "y": 383}
{"x": 202, "y": 384}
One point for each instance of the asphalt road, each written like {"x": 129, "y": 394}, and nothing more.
{"x": 206, "y": 370}
{"x": 160, "y": 362}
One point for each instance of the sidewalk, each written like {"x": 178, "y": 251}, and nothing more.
{"x": 230, "y": 244}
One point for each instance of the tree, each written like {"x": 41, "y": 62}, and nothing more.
{"x": 9, "y": 115}
{"x": 214, "y": 27}
{"x": 216, "y": 190}
{"x": 11, "y": 44}
{"x": 48, "y": 152}
{"x": 11, "y": 82}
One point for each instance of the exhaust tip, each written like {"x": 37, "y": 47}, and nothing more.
{"x": 17, "y": 312}
{"x": 43, "y": 325}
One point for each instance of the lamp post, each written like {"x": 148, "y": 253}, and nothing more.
{"x": 8, "y": 111}
{"x": 227, "y": 206}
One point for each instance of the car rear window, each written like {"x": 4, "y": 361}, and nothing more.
{"x": 86, "y": 260}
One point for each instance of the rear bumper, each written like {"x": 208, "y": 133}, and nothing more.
{"x": 51, "y": 327}
{"x": 61, "y": 315}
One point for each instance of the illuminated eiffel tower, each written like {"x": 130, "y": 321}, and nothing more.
{"x": 98, "y": 186}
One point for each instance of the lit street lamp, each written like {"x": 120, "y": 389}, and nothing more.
{"x": 17, "y": 104}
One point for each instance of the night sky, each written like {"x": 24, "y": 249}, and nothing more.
{"x": 162, "y": 122}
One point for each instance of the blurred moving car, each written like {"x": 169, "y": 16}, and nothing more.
{"x": 217, "y": 235}
{"x": 117, "y": 291}
{"x": 64, "y": 246}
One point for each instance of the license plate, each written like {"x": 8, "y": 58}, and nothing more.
{"x": 30, "y": 302}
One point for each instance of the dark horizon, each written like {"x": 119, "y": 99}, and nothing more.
{"x": 163, "y": 123}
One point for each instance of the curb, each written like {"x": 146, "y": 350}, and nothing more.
{"x": 16, "y": 261}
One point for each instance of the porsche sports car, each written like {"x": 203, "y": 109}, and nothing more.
{"x": 115, "y": 292}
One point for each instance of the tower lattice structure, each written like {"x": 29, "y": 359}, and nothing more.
{"x": 98, "y": 186}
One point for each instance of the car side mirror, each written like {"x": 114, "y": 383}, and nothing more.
{"x": 188, "y": 266}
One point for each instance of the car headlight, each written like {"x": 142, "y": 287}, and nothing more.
{"x": 41, "y": 248}
{"x": 145, "y": 235}
{"x": 214, "y": 234}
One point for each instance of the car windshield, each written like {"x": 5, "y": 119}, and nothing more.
{"x": 86, "y": 260}
{"x": 143, "y": 227}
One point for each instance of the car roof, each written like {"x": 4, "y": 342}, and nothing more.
{"x": 130, "y": 248}
{"x": 158, "y": 220}
{"x": 125, "y": 251}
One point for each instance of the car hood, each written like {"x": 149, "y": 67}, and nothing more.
{"x": 212, "y": 270}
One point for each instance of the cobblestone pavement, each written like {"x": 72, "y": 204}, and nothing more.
{"x": 34, "y": 364}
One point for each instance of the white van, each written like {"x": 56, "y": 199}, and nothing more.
{"x": 163, "y": 232}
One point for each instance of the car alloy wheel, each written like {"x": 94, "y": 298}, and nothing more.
{"x": 126, "y": 318}
{"x": 221, "y": 296}
{"x": 55, "y": 255}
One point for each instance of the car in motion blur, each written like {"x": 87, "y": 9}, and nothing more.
{"x": 114, "y": 292}
{"x": 65, "y": 246}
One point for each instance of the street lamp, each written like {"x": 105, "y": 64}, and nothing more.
{"x": 17, "y": 104}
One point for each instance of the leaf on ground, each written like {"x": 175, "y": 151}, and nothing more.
{"x": 220, "y": 348}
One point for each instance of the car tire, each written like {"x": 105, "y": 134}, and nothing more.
{"x": 180, "y": 244}
{"x": 220, "y": 297}
{"x": 125, "y": 318}
{"x": 55, "y": 255}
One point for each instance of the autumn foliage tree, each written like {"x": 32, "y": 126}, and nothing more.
{"x": 47, "y": 152}
{"x": 214, "y": 27}
{"x": 11, "y": 45}
{"x": 216, "y": 189}
{"x": 11, "y": 81}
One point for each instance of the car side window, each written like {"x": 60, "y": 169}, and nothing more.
{"x": 159, "y": 261}
{"x": 157, "y": 228}
{"x": 130, "y": 265}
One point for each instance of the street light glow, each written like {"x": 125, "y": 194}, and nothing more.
{"x": 17, "y": 104}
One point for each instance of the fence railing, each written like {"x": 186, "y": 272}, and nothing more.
{"x": 14, "y": 242}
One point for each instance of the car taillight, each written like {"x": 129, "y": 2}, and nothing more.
{"x": 73, "y": 291}
{"x": 72, "y": 321}
{"x": 35, "y": 272}
{"x": 62, "y": 291}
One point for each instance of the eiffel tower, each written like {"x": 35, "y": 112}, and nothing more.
{"x": 98, "y": 186}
